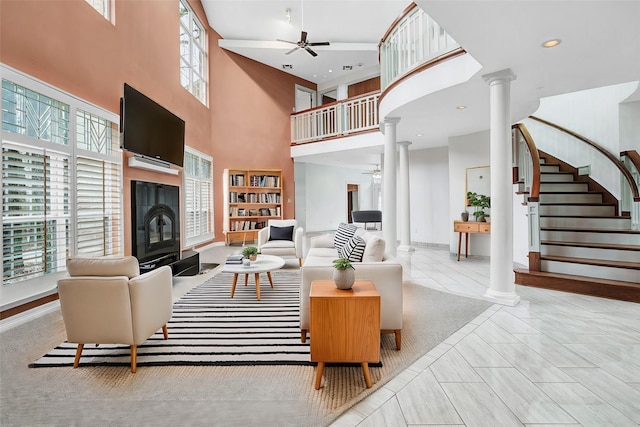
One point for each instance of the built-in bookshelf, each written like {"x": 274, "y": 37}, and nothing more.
{"x": 252, "y": 198}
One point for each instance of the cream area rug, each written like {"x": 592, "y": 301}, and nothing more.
{"x": 201, "y": 395}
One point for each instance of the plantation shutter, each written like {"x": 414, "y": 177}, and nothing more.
{"x": 35, "y": 211}
{"x": 198, "y": 198}
{"x": 98, "y": 207}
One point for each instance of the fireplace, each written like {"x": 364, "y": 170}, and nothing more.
{"x": 155, "y": 224}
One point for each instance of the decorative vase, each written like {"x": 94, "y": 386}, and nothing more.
{"x": 344, "y": 278}
{"x": 465, "y": 216}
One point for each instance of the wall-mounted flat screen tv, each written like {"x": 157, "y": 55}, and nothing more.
{"x": 149, "y": 129}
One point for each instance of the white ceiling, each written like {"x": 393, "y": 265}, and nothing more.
{"x": 600, "y": 46}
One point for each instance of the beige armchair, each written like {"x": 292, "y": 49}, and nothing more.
{"x": 107, "y": 301}
{"x": 269, "y": 242}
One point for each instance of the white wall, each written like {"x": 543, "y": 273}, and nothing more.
{"x": 429, "y": 193}
{"x": 321, "y": 203}
{"x": 595, "y": 114}
{"x": 630, "y": 126}
{"x": 466, "y": 151}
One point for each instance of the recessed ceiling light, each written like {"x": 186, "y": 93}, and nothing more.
{"x": 419, "y": 134}
{"x": 461, "y": 107}
{"x": 331, "y": 71}
{"x": 551, "y": 43}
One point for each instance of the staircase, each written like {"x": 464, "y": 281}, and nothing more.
{"x": 585, "y": 245}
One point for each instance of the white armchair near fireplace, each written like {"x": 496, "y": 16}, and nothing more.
{"x": 283, "y": 238}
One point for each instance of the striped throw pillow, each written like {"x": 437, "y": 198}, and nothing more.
{"x": 353, "y": 250}
{"x": 343, "y": 234}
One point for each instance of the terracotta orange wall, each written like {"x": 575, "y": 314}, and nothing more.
{"x": 72, "y": 47}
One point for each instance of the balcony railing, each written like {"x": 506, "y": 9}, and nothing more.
{"x": 336, "y": 119}
{"x": 412, "y": 40}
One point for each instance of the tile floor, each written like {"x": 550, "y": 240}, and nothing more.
{"x": 555, "y": 359}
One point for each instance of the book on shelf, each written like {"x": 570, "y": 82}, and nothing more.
{"x": 234, "y": 259}
{"x": 236, "y": 180}
{"x": 264, "y": 181}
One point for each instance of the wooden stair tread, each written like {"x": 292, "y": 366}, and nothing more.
{"x": 563, "y": 276}
{"x": 586, "y": 216}
{"x": 562, "y": 192}
{"x": 592, "y": 245}
{"x": 562, "y": 172}
{"x": 591, "y": 230}
{"x": 576, "y": 204}
{"x": 596, "y": 262}
{"x": 563, "y": 182}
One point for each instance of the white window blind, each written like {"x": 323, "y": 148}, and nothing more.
{"x": 61, "y": 179}
{"x": 198, "y": 193}
{"x": 35, "y": 211}
{"x": 98, "y": 207}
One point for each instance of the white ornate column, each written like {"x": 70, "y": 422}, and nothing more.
{"x": 389, "y": 186}
{"x": 501, "y": 276}
{"x": 404, "y": 220}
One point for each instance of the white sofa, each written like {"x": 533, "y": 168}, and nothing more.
{"x": 383, "y": 270}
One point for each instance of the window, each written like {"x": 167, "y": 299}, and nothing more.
{"x": 198, "y": 194}
{"x": 102, "y": 6}
{"x": 193, "y": 53}
{"x": 61, "y": 189}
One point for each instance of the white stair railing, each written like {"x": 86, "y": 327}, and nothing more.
{"x": 337, "y": 119}
{"x": 414, "y": 40}
{"x": 631, "y": 203}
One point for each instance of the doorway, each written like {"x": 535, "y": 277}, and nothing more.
{"x": 305, "y": 98}
{"x": 352, "y": 201}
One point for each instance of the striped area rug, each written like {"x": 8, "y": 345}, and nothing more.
{"x": 209, "y": 327}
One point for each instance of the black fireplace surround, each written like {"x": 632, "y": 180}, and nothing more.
{"x": 155, "y": 234}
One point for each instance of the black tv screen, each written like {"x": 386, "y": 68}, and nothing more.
{"x": 149, "y": 129}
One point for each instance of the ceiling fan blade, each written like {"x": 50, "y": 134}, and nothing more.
{"x": 319, "y": 44}
{"x": 285, "y": 41}
{"x": 303, "y": 36}
{"x": 308, "y": 49}
{"x": 292, "y": 50}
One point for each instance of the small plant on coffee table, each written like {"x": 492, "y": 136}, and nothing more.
{"x": 250, "y": 252}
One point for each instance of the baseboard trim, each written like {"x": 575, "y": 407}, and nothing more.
{"x": 29, "y": 312}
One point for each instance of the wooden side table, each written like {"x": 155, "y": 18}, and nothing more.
{"x": 469, "y": 227}
{"x": 344, "y": 325}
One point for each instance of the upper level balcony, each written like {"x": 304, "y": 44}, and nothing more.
{"x": 412, "y": 43}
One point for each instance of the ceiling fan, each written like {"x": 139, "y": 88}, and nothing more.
{"x": 376, "y": 173}
{"x": 303, "y": 43}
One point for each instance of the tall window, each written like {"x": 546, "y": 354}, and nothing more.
{"x": 102, "y": 6}
{"x": 61, "y": 185}
{"x": 193, "y": 53}
{"x": 198, "y": 194}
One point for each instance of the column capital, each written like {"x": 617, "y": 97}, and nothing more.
{"x": 404, "y": 143}
{"x": 391, "y": 120}
{"x": 505, "y": 75}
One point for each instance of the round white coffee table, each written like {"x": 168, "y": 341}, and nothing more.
{"x": 263, "y": 264}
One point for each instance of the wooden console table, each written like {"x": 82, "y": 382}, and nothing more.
{"x": 345, "y": 325}
{"x": 466, "y": 227}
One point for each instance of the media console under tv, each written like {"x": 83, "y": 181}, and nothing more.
{"x": 186, "y": 265}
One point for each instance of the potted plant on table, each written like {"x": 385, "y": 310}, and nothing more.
{"x": 343, "y": 274}
{"x": 480, "y": 202}
{"x": 250, "y": 252}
